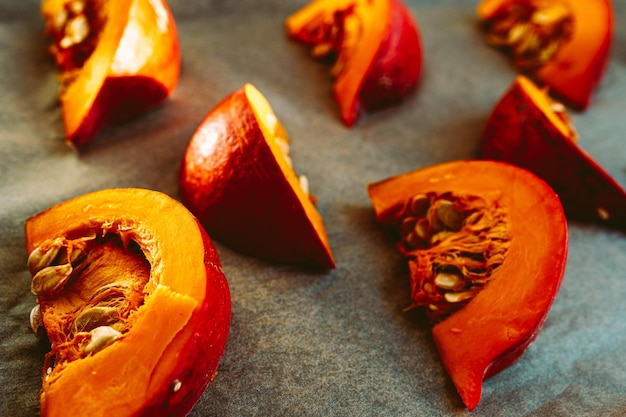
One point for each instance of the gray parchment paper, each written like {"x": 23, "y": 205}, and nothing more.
{"x": 307, "y": 343}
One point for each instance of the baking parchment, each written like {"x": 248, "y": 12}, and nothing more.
{"x": 306, "y": 343}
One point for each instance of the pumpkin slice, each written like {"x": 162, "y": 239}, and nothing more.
{"x": 527, "y": 128}
{"x": 564, "y": 44}
{"x": 134, "y": 302}
{"x": 486, "y": 243}
{"x": 237, "y": 177}
{"x": 117, "y": 59}
{"x": 375, "y": 45}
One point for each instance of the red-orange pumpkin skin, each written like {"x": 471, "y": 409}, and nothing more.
{"x": 235, "y": 179}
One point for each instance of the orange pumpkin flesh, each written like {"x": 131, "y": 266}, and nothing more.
{"x": 528, "y": 129}
{"x": 377, "y": 47}
{"x": 490, "y": 330}
{"x": 149, "y": 246}
{"x": 239, "y": 182}
{"x": 118, "y": 59}
{"x": 575, "y": 68}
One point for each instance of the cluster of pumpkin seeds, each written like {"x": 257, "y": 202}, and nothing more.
{"x": 52, "y": 262}
{"x": 74, "y": 27}
{"x": 532, "y": 31}
{"x": 90, "y": 297}
{"x": 454, "y": 244}
{"x": 335, "y": 36}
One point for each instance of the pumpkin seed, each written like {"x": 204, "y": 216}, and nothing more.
{"x": 419, "y": 205}
{"x": 407, "y": 225}
{"x": 603, "y": 213}
{"x": 449, "y": 281}
{"x": 549, "y": 15}
{"x": 76, "y": 31}
{"x": 304, "y": 183}
{"x": 412, "y": 240}
{"x": 43, "y": 255}
{"x": 77, "y": 7}
{"x": 322, "y": 49}
{"x": 36, "y": 320}
{"x": 449, "y": 215}
{"x": 457, "y": 297}
{"x": 101, "y": 337}
{"x": 51, "y": 280}
{"x": 421, "y": 229}
{"x": 60, "y": 19}
{"x": 96, "y": 316}
{"x": 517, "y": 33}
{"x": 176, "y": 385}
{"x": 473, "y": 218}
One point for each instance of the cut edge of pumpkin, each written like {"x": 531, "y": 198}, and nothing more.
{"x": 262, "y": 110}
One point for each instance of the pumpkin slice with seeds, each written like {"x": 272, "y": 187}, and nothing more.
{"x": 375, "y": 47}
{"x": 486, "y": 244}
{"x": 133, "y": 300}
{"x": 563, "y": 44}
{"x": 117, "y": 60}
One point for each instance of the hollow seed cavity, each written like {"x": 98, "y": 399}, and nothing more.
{"x": 533, "y": 32}
{"x": 454, "y": 247}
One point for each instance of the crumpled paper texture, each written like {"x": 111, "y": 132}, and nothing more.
{"x": 307, "y": 343}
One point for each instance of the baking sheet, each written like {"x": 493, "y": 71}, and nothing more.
{"x": 307, "y": 343}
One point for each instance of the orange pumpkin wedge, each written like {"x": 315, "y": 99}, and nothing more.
{"x": 237, "y": 177}
{"x": 376, "y": 46}
{"x": 487, "y": 245}
{"x": 117, "y": 59}
{"x": 562, "y": 44}
{"x": 134, "y": 302}
{"x": 527, "y": 128}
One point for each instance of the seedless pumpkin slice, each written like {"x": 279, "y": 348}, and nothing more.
{"x": 529, "y": 129}
{"x": 133, "y": 300}
{"x": 237, "y": 177}
{"x": 486, "y": 244}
